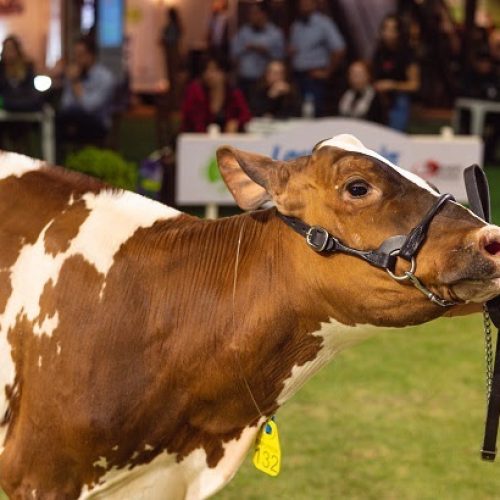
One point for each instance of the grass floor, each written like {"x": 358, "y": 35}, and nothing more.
{"x": 398, "y": 417}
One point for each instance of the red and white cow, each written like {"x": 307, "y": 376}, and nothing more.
{"x": 139, "y": 344}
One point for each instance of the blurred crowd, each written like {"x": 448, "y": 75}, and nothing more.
{"x": 420, "y": 55}
{"x": 307, "y": 69}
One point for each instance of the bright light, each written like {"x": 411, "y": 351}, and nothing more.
{"x": 42, "y": 83}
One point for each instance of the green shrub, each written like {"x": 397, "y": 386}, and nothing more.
{"x": 104, "y": 164}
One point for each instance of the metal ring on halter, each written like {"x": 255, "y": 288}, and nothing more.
{"x": 404, "y": 276}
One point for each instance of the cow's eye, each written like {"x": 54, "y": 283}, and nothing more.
{"x": 358, "y": 188}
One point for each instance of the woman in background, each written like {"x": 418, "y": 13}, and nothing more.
{"x": 17, "y": 78}
{"x": 361, "y": 100}
{"x": 171, "y": 41}
{"x": 274, "y": 97}
{"x": 212, "y": 100}
{"x": 396, "y": 72}
{"x": 17, "y": 93}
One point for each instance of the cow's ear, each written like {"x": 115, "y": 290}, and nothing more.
{"x": 247, "y": 175}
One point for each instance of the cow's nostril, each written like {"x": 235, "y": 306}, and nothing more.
{"x": 493, "y": 248}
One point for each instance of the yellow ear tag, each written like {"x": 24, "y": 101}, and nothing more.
{"x": 267, "y": 455}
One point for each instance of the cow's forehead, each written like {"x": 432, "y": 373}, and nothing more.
{"x": 348, "y": 142}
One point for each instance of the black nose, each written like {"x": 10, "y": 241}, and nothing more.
{"x": 493, "y": 248}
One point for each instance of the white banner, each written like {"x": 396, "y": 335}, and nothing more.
{"x": 438, "y": 159}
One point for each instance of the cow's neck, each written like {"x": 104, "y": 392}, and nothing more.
{"x": 294, "y": 310}
{"x": 284, "y": 328}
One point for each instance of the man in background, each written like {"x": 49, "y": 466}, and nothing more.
{"x": 85, "y": 109}
{"x": 218, "y": 31}
{"x": 256, "y": 44}
{"x": 316, "y": 48}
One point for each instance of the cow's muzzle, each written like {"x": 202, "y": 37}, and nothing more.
{"x": 476, "y": 274}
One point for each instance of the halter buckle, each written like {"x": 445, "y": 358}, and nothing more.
{"x": 317, "y": 238}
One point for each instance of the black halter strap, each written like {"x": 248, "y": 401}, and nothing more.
{"x": 384, "y": 257}
{"x": 478, "y": 193}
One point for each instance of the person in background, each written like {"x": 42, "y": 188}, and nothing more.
{"x": 17, "y": 93}
{"x": 274, "y": 96}
{"x": 361, "y": 100}
{"x": 171, "y": 41}
{"x": 17, "y": 75}
{"x": 212, "y": 100}
{"x": 87, "y": 97}
{"x": 218, "y": 31}
{"x": 396, "y": 73}
{"x": 255, "y": 44}
{"x": 316, "y": 49}
{"x": 492, "y": 92}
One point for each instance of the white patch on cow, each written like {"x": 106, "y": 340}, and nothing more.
{"x": 13, "y": 164}
{"x": 3, "y": 432}
{"x": 39, "y": 361}
{"x": 350, "y": 143}
{"x": 114, "y": 218}
{"x": 33, "y": 493}
{"x": 165, "y": 479}
{"x": 210, "y": 481}
{"x": 58, "y": 348}
{"x": 102, "y": 463}
{"x": 336, "y": 337}
{"x": 48, "y": 326}
{"x": 148, "y": 447}
{"x": 115, "y": 447}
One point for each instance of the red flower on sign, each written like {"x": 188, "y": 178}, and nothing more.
{"x": 427, "y": 169}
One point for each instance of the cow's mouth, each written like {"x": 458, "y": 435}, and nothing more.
{"x": 477, "y": 290}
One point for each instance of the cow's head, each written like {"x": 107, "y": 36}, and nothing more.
{"x": 363, "y": 199}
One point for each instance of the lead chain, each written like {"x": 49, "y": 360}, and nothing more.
{"x": 488, "y": 351}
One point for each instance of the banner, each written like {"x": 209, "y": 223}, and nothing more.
{"x": 438, "y": 159}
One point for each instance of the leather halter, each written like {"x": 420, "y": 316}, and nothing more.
{"x": 384, "y": 257}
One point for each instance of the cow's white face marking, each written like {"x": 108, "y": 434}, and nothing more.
{"x": 113, "y": 219}
{"x": 350, "y": 143}
{"x": 165, "y": 479}
{"x": 336, "y": 337}
{"x": 13, "y": 164}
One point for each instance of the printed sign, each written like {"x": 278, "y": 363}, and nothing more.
{"x": 439, "y": 160}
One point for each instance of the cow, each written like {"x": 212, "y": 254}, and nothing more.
{"x": 142, "y": 349}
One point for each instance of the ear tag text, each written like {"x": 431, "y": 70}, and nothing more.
{"x": 267, "y": 454}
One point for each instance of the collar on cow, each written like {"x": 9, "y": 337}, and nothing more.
{"x": 384, "y": 257}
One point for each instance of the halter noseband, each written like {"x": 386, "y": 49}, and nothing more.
{"x": 384, "y": 257}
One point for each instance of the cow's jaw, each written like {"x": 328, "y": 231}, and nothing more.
{"x": 477, "y": 291}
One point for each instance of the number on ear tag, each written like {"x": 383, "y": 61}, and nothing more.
{"x": 267, "y": 455}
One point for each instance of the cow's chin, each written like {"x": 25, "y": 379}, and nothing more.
{"x": 477, "y": 291}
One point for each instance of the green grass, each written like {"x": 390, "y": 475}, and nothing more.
{"x": 398, "y": 417}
